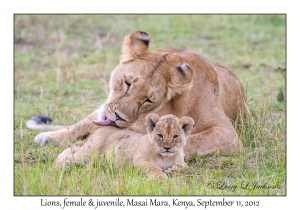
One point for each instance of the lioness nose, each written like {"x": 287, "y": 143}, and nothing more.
{"x": 167, "y": 148}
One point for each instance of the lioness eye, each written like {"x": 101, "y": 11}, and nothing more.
{"x": 175, "y": 136}
{"x": 160, "y": 136}
{"x": 128, "y": 84}
{"x": 147, "y": 100}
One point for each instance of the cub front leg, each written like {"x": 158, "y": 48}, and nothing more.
{"x": 76, "y": 154}
{"x": 71, "y": 150}
{"x": 152, "y": 170}
{"x": 70, "y": 133}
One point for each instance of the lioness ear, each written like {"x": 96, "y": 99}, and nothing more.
{"x": 151, "y": 121}
{"x": 134, "y": 45}
{"x": 187, "y": 125}
{"x": 180, "y": 78}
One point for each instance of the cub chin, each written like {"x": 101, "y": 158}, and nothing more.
{"x": 159, "y": 150}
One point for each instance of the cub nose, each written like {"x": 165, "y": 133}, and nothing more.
{"x": 167, "y": 148}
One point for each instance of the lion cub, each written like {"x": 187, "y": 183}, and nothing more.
{"x": 160, "y": 150}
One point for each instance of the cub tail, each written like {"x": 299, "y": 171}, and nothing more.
{"x": 40, "y": 122}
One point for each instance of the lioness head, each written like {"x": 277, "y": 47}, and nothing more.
{"x": 168, "y": 133}
{"x": 144, "y": 80}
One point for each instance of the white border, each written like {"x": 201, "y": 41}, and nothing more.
{"x": 8, "y": 201}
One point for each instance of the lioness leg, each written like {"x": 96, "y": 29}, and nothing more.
{"x": 70, "y": 133}
{"x": 214, "y": 139}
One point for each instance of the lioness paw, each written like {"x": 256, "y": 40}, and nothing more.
{"x": 42, "y": 138}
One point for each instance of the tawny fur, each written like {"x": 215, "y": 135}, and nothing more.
{"x": 144, "y": 151}
{"x": 168, "y": 81}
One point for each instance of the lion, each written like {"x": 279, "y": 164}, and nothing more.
{"x": 161, "y": 149}
{"x": 167, "y": 81}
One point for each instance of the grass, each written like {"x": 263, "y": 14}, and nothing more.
{"x": 62, "y": 68}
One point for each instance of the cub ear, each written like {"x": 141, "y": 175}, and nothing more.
{"x": 187, "y": 125}
{"x": 151, "y": 121}
{"x": 180, "y": 78}
{"x": 134, "y": 45}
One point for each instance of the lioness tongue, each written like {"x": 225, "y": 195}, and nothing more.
{"x": 104, "y": 122}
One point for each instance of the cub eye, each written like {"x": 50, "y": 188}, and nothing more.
{"x": 175, "y": 136}
{"x": 160, "y": 136}
{"x": 128, "y": 84}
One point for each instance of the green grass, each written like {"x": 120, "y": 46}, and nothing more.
{"x": 62, "y": 68}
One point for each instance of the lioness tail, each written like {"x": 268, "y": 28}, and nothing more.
{"x": 40, "y": 123}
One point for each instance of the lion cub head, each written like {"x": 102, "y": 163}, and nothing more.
{"x": 168, "y": 134}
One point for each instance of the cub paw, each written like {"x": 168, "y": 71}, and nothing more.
{"x": 176, "y": 168}
{"x": 63, "y": 161}
{"x": 157, "y": 175}
{"x": 163, "y": 176}
{"x": 65, "y": 153}
{"x": 71, "y": 150}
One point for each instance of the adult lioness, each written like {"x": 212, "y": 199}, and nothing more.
{"x": 161, "y": 149}
{"x": 168, "y": 81}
